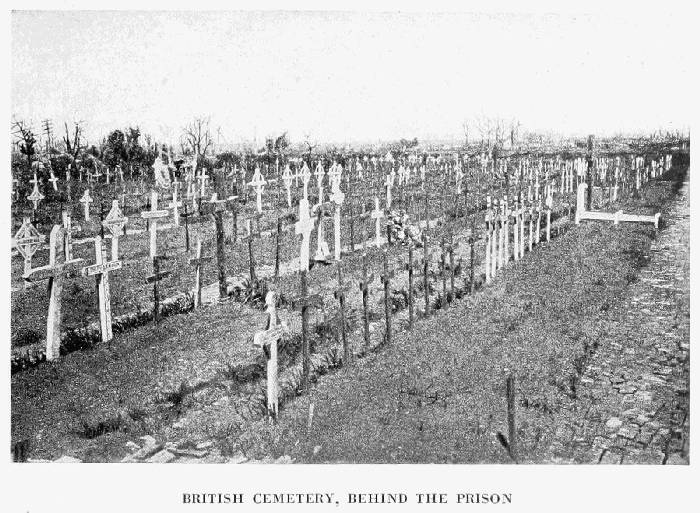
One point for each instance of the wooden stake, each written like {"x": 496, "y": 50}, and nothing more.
{"x": 386, "y": 280}
{"x": 364, "y": 287}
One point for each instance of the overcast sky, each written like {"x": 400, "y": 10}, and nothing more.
{"x": 349, "y": 76}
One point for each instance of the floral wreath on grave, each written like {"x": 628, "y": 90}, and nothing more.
{"x": 402, "y": 230}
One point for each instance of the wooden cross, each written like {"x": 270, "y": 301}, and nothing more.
{"x": 267, "y": 341}
{"x": 186, "y": 215}
{"x": 153, "y": 215}
{"x": 426, "y": 276}
{"x": 100, "y": 270}
{"x": 218, "y": 215}
{"x": 410, "y": 267}
{"x": 386, "y": 280}
{"x": 55, "y": 272}
{"x": 377, "y": 215}
{"x": 258, "y": 183}
{"x": 443, "y": 265}
{"x": 28, "y": 240}
{"x": 155, "y": 280}
{"x": 198, "y": 261}
{"x": 303, "y": 303}
{"x": 303, "y": 227}
{"x": 115, "y": 223}
{"x": 339, "y": 294}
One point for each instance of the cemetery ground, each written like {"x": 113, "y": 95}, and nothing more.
{"x": 433, "y": 394}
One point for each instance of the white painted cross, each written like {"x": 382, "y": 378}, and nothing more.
{"x": 459, "y": 175}
{"x": 153, "y": 215}
{"x": 335, "y": 175}
{"x": 175, "y": 204}
{"x": 377, "y": 215}
{"x": 86, "y": 200}
{"x": 36, "y": 196}
{"x": 305, "y": 177}
{"x": 101, "y": 271}
{"x": 53, "y": 180}
{"x": 287, "y": 178}
{"x": 28, "y": 240}
{"x": 115, "y": 222}
{"x": 267, "y": 340}
{"x": 203, "y": 177}
{"x": 322, "y": 252}
{"x": 319, "y": 181}
{"x": 258, "y": 183}
{"x": 303, "y": 227}
{"x": 389, "y": 183}
{"x": 54, "y": 272}
{"x": 337, "y": 197}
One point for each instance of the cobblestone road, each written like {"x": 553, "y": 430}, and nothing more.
{"x": 638, "y": 380}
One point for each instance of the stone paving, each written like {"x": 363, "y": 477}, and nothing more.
{"x": 633, "y": 398}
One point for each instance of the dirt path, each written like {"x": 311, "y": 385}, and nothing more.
{"x": 638, "y": 381}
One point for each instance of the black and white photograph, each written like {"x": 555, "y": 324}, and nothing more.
{"x": 348, "y": 237}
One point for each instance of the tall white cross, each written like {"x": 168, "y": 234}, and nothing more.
{"x": 337, "y": 197}
{"x": 115, "y": 222}
{"x": 53, "y": 180}
{"x": 258, "y": 183}
{"x": 319, "y": 181}
{"x": 101, "y": 271}
{"x": 389, "y": 183}
{"x": 36, "y": 196}
{"x": 55, "y": 272}
{"x": 86, "y": 200}
{"x": 267, "y": 340}
{"x": 303, "y": 227}
{"x": 175, "y": 205}
{"x": 287, "y": 178}
{"x": 377, "y": 215}
{"x": 305, "y": 177}
{"x": 153, "y": 215}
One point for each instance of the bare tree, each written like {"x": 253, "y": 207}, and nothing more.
{"x": 26, "y": 139}
{"x": 197, "y": 137}
{"x": 465, "y": 127}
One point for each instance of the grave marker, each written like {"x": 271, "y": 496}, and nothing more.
{"x": 304, "y": 227}
{"x": 197, "y": 262}
{"x": 115, "y": 223}
{"x": 303, "y": 303}
{"x": 86, "y": 200}
{"x": 339, "y": 294}
{"x": 337, "y": 198}
{"x": 386, "y": 281}
{"x": 258, "y": 183}
{"x": 55, "y": 272}
{"x": 158, "y": 275}
{"x": 267, "y": 340}
{"x": 100, "y": 270}
{"x": 152, "y": 216}
{"x": 364, "y": 287}
{"x": 28, "y": 240}
{"x": 377, "y": 215}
